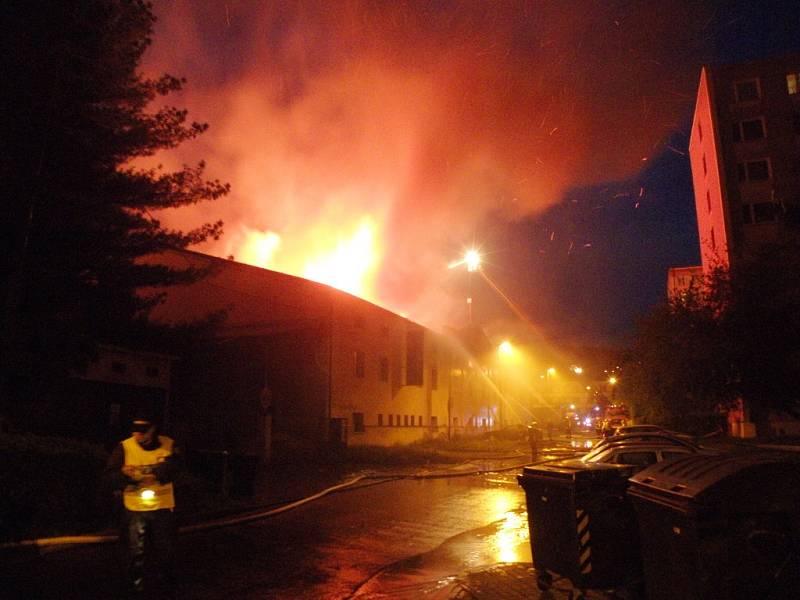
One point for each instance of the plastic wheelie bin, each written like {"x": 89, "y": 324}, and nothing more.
{"x": 720, "y": 527}
{"x": 582, "y": 526}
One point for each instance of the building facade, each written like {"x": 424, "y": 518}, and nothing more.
{"x": 745, "y": 156}
{"x": 297, "y": 365}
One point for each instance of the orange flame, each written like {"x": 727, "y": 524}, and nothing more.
{"x": 348, "y": 262}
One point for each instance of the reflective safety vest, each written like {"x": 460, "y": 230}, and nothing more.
{"x": 153, "y": 496}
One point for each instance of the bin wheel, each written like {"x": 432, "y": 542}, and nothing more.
{"x": 544, "y": 580}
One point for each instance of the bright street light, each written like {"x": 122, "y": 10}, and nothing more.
{"x": 505, "y": 348}
{"x": 612, "y": 380}
{"x": 473, "y": 260}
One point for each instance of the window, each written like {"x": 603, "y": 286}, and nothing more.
{"x": 383, "y": 369}
{"x": 359, "y": 360}
{"x": 754, "y": 170}
{"x": 380, "y": 420}
{"x": 391, "y": 420}
{"x": 434, "y": 378}
{"x": 358, "y": 422}
{"x": 792, "y": 83}
{"x": 708, "y": 200}
{"x": 747, "y": 131}
{"x": 434, "y": 423}
{"x": 700, "y": 131}
{"x": 397, "y": 420}
{"x": 705, "y": 166}
{"x": 414, "y": 356}
{"x": 713, "y": 240}
{"x": 766, "y": 212}
{"x": 152, "y": 371}
{"x": 405, "y": 420}
{"x": 747, "y": 91}
{"x": 119, "y": 367}
{"x": 635, "y": 458}
{"x": 419, "y": 420}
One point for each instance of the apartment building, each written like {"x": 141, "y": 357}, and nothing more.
{"x": 745, "y": 157}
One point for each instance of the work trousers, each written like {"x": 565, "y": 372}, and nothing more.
{"x": 151, "y": 548}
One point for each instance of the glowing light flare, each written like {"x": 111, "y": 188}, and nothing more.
{"x": 350, "y": 265}
{"x": 505, "y": 348}
{"x": 472, "y": 259}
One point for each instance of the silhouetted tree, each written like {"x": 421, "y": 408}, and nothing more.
{"x": 74, "y": 117}
{"x": 736, "y": 337}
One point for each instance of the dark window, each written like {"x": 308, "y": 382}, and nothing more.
{"x": 383, "y": 370}
{"x": 708, "y": 200}
{"x": 747, "y": 91}
{"x": 397, "y": 420}
{"x": 754, "y": 170}
{"x": 434, "y": 378}
{"x": 746, "y": 131}
{"x": 700, "y": 131}
{"x": 119, "y": 367}
{"x": 666, "y": 455}
{"x": 152, "y": 371}
{"x": 359, "y": 359}
{"x": 391, "y": 420}
{"x": 434, "y": 423}
{"x": 758, "y": 170}
{"x": 380, "y": 420}
{"x": 358, "y": 422}
{"x": 405, "y": 420}
{"x": 747, "y": 214}
{"x": 419, "y": 420}
{"x": 764, "y": 212}
{"x": 414, "y": 357}
{"x": 705, "y": 167}
{"x": 713, "y": 240}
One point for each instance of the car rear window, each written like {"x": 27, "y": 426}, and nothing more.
{"x": 636, "y": 458}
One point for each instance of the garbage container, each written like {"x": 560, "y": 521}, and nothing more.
{"x": 581, "y": 524}
{"x": 719, "y": 527}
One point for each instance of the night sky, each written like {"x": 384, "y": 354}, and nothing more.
{"x": 551, "y": 135}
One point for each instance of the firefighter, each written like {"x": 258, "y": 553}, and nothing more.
{"x": 142, "y": 469}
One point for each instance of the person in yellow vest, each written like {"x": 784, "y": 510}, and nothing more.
{"x": 142, "y": 469}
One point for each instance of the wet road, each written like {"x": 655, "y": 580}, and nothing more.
{"x": 399, "y": 538}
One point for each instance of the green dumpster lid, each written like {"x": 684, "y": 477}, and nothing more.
{"x": 700, "y": 477}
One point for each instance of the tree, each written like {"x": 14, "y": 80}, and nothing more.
{"x": 736, "y": 337}
{"x": 74, "y": 117}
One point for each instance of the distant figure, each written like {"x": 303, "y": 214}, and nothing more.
{"x": 142, "y": 469}
{"x": 534, "y": 436}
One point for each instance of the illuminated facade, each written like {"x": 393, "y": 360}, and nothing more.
{"x": 744, "y": 151}
{"x": 682, "y": 279}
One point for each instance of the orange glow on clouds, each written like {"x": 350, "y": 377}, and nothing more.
{"x": 365, "y": 142}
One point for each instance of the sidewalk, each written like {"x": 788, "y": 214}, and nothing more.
{"x": 514, "y": 581}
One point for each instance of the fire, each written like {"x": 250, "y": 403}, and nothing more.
{"x": 346, "y": 260}
{"x": 350, "y": 265}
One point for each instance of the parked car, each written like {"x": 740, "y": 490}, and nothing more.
{"x": 639, "y": 454}
{"x": 651, "y": 437}
{"x": 643, "y": 428}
